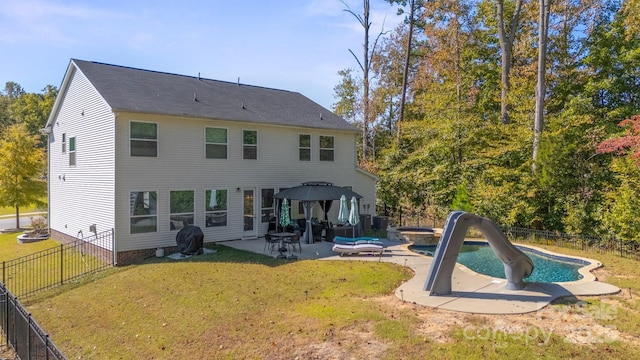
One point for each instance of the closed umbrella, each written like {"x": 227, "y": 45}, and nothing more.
{"x": 284, "y": 214}
{"x": 343, "y": 213}
{"x": 354, "y": 217}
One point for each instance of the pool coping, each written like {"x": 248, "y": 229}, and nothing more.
{"x": 585, "y": 271}
{"x": 482, "y": 294}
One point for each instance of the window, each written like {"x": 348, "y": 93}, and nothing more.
{"x": 181, "y": 209}
{"x": 144, "y": 139}
{"x": 64, "y": 143}
{"x": 215, "y": 140}
{"x": 304, "y": 147}
{"x": 143, "y": 212}
{"x": 215, "y": 208}
{"x": 249, "y": 144}
{"x": 326, "y": 148}
{"x": 267, "y": 205}
{"x": 72, "y": 151}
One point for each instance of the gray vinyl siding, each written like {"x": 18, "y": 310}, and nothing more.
{"x": 181, "y": 165}
{"x": 82, "y": 195}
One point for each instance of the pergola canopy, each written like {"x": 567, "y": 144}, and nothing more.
{"x": 310, "y": 192}
{"x": 316, "y": 191}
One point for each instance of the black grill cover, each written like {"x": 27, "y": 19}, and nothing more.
{"x": 189, "y": 240}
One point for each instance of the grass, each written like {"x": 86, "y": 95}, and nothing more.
{"x": 234, "y": 304}
{"x": 11, "y": 249}
{"x": 10, "y": 210}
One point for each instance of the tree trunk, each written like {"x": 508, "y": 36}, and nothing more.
{"x": 543, "y": 28}
{"x": 17, "y": 217}
{"x": 405, "y": 74}
{"x": 506, "y": 46}
{"x": 366, "y": 120}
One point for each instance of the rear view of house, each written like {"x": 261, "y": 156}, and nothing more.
{"x": 145, "y": 153}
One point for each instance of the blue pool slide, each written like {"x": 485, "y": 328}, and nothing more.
{"x": 517, "y": 265}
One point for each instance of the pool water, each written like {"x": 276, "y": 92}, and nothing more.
{"x": 480, "y": 258}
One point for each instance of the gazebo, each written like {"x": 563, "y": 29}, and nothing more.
{"x": 311, "y": 192}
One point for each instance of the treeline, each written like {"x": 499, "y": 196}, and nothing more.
{"x": 30, "y": 109}
{"x": 468, "y": 136}
{"x": 22, "y": 148}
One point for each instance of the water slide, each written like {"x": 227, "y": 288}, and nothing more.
{"x": 517, "y": 265}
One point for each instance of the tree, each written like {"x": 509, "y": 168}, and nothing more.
{"x": 538, "y": 122}
{"x": 11, "y": 92}
{"x": 365, "y": 66}
{"x": 506, "y": 49}
{"x": 22, "y": 169}
{"x": 628, "y": 142}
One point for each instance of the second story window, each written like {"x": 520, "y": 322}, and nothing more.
{"x": 72, "y": 151}
{"x": 215, "y": 143}
{"x": 144, "y": 139}
{"x": 304, "y": 147}
{"x": 326, "y": 148}
{"x": 249, "y": 144}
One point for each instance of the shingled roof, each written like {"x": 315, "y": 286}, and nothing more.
{"x": 145, "y": 91}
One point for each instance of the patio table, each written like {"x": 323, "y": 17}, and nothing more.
{"x": 281, "y": 236}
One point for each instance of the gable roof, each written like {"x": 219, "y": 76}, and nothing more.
{"x": 153, "y": 92}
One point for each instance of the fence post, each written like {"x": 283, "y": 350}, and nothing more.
{"x": 3, "y": 268}
{"x": 620, "y": 247}
{"x": 61, "y": 264}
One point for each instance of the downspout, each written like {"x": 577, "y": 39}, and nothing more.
{"x": 47, "y": 131}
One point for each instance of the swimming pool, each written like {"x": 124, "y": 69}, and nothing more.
{"x": 479, "y": 257}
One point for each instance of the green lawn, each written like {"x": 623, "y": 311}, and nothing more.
{"x": 234, "y": 304}
{"x": 10, "y": 249}
{"x": 12, "y": 211}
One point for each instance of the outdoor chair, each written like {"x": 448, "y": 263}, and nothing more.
{"x": 316, "y": 231}
{"x": 270, "y": 242}
{"x": 292, "y": 242}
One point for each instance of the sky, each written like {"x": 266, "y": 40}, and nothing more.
{"x": 296, "y": 45}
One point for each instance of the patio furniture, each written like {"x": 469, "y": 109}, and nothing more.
{"x": 292, "y": 242}
{"x": 351, "y": 246}
{"x": 270, "y": 242}
{"x": 316, "y": 230}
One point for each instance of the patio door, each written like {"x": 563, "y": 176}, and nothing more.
{"x": 249, "y": 213}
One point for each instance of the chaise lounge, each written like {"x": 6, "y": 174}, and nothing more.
{"x": 351, "y": 246}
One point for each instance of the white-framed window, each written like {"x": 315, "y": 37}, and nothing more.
{"x": 326, "y": 148}
{"x": 250, "y": 144}
{"x": 215, "y": 208}
{"x": 64, "y": 143}
{"x": 144, "y": 139}
{"x": 143, "y": 212}
{"x": 215, "y": 142}
{"x": 72, "y": 151}
{"x": 181, "y": 209}
{"x": 304, "y": 147}
{"x": 266, "y": 205}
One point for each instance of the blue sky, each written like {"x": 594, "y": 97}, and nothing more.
{"x": 296, "y": 45}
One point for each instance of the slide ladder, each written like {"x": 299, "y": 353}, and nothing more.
{"x": 517, "y": 265}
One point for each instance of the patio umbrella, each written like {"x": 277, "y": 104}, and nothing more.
{"x": 343, "y": 214}
{"x": 354, "y": 218}
{"x": 284, "y": 214}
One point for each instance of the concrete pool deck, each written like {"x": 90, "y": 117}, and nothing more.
{"x": 471, "y": 292}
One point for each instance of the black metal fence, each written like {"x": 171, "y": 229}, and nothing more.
{"x": 27, "y": 275}
{"x": 22, "y": 333}
{"x": 602, "y": 245}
